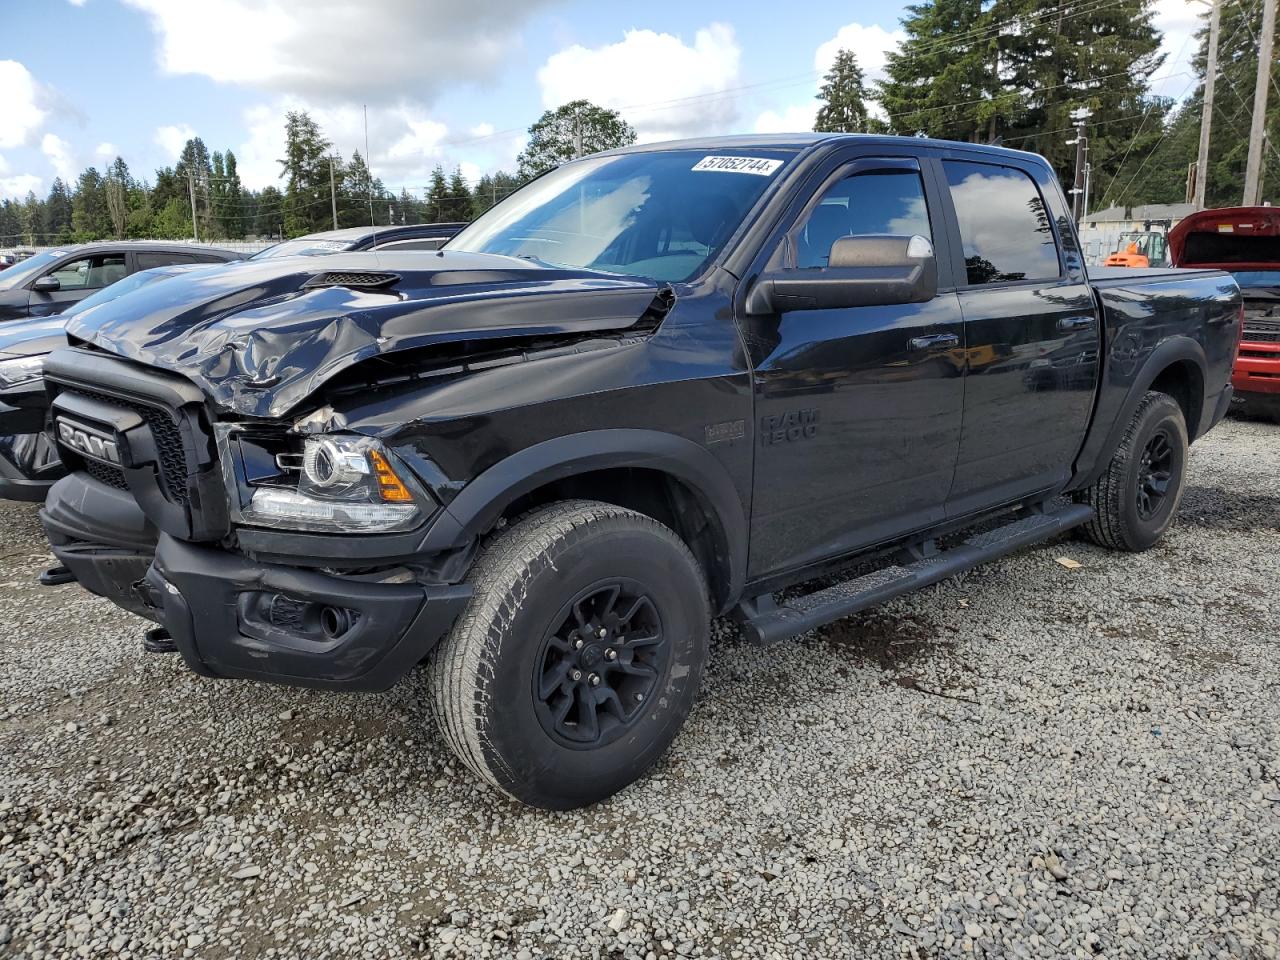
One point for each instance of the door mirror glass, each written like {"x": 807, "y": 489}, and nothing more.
{"x": 47, "y": 284}
{"x": 866, "y": 271}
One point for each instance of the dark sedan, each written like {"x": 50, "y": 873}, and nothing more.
{"x": 50, "y": 282}
{"x": 419, "y": 236}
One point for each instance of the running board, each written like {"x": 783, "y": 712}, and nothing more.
{"x": 804, "y": 613}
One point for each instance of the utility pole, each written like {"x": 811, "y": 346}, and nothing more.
{"x": 191, "y": 192}
{"x": 333, "y": 195}
{"x": 1206, "y": 115}
{"x": 1253, "y": 170}
{"x": 1078, "y": 117}
{"x": 1088, "y": 176}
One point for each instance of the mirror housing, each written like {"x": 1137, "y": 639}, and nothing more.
{"x": 865, "y": 271}
{"x": 47, "y": 284}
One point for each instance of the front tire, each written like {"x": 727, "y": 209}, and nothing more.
{"x": 579, "y": 656}
{"x": 1136, "y": 498}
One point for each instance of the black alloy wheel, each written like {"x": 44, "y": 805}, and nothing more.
{"x": 1155, "y": 471}
{"x": 600, "y": 665}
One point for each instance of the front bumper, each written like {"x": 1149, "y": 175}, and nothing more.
{"x": 230, "y": 616}
{"x": 1257, "y": 369}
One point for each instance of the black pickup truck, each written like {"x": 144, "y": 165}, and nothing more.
{"x": 652, "y": 386}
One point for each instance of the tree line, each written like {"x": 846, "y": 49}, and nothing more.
{"x": 321, "y": 189}
{"x": 1011, "y": 72}
{"x": 1014, "y": 72}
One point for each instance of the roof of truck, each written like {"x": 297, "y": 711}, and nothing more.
{"x": 803, "y": 141}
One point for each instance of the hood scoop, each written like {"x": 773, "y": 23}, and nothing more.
{"x": 354, "y": 279}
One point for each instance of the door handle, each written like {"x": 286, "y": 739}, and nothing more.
{"x": 1072, "y": 324}
{"x": 934, "y": 341}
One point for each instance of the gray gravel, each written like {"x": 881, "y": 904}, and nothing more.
{"x": 1026, "y": 761}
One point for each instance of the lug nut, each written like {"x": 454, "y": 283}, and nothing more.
{"x": 603, "y": 633}
{"x": 594, "y": 679}
{"x": 577, "y": 644}
{"x": 639, "y": 698}
{"x": 575, "y": 675}
{"x": 611, "y": 654}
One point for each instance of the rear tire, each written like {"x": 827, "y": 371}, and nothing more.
{"x": 1137, "y": 497}
{"x": 530, "y": 695}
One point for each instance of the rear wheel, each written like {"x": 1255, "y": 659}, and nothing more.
{"x": 1136, "y": 498}
{"x": 578, "y": 659}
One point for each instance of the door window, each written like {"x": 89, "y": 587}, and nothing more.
{"x": 91, "y": 273}
{"x": 155, "y": 258}
{"x": 874, "y": 202}
{"x": 1004, "y": 225}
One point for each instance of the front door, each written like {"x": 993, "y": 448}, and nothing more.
{"x": 1031, "y": 332}
{"x": 77, "y": 278}
{"x": 858, "y": 410}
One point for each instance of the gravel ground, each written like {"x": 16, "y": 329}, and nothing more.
{"x": 1026, "y": 761}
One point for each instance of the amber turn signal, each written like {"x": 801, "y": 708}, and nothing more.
{"x": 390, "y": 486}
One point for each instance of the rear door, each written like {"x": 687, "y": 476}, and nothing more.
{"x": 1031, "y": 332}
{"x": 857, "y": 409}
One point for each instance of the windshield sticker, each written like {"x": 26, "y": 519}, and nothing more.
{"x": 760, "y": 166}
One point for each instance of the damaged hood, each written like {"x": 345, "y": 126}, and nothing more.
{"x": 260, "y": 337}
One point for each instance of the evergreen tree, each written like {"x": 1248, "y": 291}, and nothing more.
{"x": 32, "y": 219}
{"x": 573, "y": 130}
{"x": 459, "y": 202}
{"x": 1059, "y": 60}
{"x": 408, "y": 209}
{"x": 90, "y": 219}
{"x": 10, "y": 222}
{"x": 306, "y": 172}
{"x": 437, "y": 199}
{"x": 57, "y": 213}
{"x": 194, "y": 173}
{"x": 117, "y": 186}
{"x": 944, "y": 79}
{"x": 492, "y": 189}
{"x": 844, "y": 99}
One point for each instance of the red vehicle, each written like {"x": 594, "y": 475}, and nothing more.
{"x": 1246, "y": 242}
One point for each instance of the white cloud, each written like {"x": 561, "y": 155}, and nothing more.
{"x": 172, "y": 138}
{"x": 334, "y": 50}
{"x": 21, "y": 113}
{"x": 77, "y": 3}
{"x": 58, "y": 152}
{"x": 662, "y": 86}
{"x": 106, "y": 151}
{"x": 1178, "y": 21}
{"x": 405, "y": 143}
{"x": 17, "y": 186}
{"x": 871, "y": 45}
{"x": 793, "y": 119}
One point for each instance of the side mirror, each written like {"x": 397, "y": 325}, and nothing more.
{"x": 866, "y": 271}
{"x": 47, "y": 284}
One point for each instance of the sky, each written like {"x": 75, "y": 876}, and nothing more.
{"x": 456, "y": 82}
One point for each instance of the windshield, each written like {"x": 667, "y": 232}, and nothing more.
{"x": 20, "y": 273}
{"x": 302, "y": 247}
{"x": 662, "y": 215}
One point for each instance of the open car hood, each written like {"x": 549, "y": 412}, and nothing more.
{"x": 1230, "y": 238}
{"x": 259, "y": 337}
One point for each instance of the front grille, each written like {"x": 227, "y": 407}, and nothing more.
{"x": 112, "y": 476}
{"x": 1257, "y": 330}
{"x": 168, "y": 440}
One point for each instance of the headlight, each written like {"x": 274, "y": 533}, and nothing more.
{"x": 346, "y": 485}
{"x": 21, "y": 370}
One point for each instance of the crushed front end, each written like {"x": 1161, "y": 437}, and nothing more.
{"x": 264, "y": 553}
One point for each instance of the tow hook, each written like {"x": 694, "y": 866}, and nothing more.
{"x": 157, "y": 640}
{"x": 56, "y": 577}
